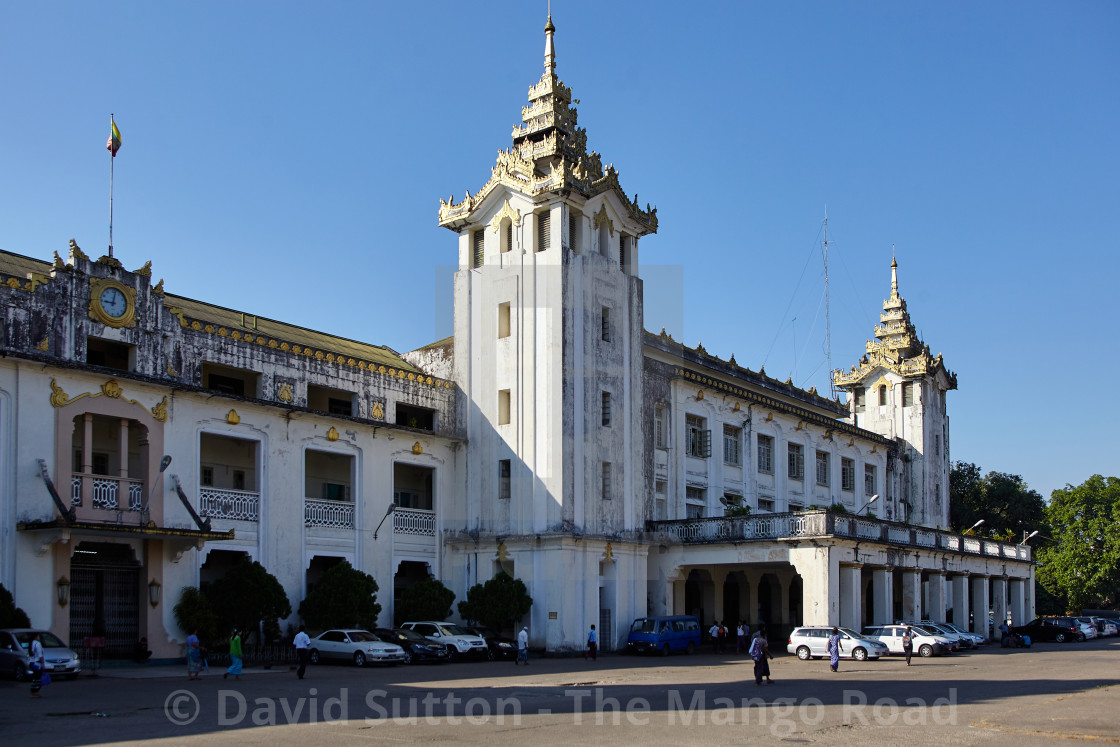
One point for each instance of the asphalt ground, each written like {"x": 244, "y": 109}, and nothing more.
{"x": 1053, "y": 692}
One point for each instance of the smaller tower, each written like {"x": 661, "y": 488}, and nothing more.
{"x": 898, "y": 390}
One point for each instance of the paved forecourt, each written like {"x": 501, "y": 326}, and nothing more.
{"x": 993, "y": 695}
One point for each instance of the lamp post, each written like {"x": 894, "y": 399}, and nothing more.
{"x": 392, "y": 508}
{"x": 153, "y": 593}
{"x": 969, "y": 530}
{"x": 63, "y": 591}
{"x": 869, "y": 502}
{"x": 1027, "y": 536}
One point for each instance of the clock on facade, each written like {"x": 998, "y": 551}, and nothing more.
{"x": 112, "y": 303}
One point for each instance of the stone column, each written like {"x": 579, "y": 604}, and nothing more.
{"x": 959, "y": 586}
{"x": 1015, "y": 603}
{"x": 980, "y": 606}
{"x": 851, "y": 597}
{"x": 935, "y": 591}
{"x": 999, "y": 600}
{"x": 752, "y": 598}
{"x": 719, "y": 577}
{"x": 678, "y": 598}
{"x": 883, "y": 596}
{"x": 820, "y": 584}
{"x": 911, "y": 594}
{"x": 784, "y": 582}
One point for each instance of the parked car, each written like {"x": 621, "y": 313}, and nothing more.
{"x": 358, "y": 646}
{"x": 1056, "y": 629}
{"x": 924, "y": 641}
{"x": 1088, "y": 629}
{"x": 459, "y": 642}
{"x": 977, "y": 639}
{"x": 810, "y": 642}
{"x": 497, "y": 646}
{"x": 958, "y": 640}
{"x": 16, "y": 642}
{"x": 1099, "y": 623}
{"x": 1108, "y": 627}
{"x": 664, "y": 635}
{"x": 416, "y": 647}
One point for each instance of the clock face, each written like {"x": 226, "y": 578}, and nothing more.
{"x": 113, "y": 302}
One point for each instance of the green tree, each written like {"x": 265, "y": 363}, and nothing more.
{"x": 344, "y": 597}
{"x": 246, "y": 597}
{"x": 1082, "y": 564}
{"x": 498, "y": 604}
{"x": 1005, "y": 503}
{"x": 193, "y": 613}
{"x": 734, "y": 505}
{"x": 427, "y": 600}
{"x": 11, "y": 616}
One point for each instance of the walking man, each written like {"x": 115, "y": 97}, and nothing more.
{"x": 908, "y": 644}
{"x": 741, "y": 638}
{"x": 38, "y": 664}
{"x": 592, "y": 645}
{"x": 522, "y": 647}
{"x": 713, "y": 633}
{"x": 302, "y": 643}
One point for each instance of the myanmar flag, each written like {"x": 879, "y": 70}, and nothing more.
{"x": 114, "y": 143}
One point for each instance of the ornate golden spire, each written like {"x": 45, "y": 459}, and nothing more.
{"x": 549, "y": 49}
{"x": 894, "y": 273}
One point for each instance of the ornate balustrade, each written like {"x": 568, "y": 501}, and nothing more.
{"x": 828, "y": 524}
{"x": 333, "y": 514}
{"x": 223, "y": 503}
{"x": 412, "y": 521}
{"x": 105, "y": 492}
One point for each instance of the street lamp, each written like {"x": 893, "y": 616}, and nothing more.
{"x": 1027, "y": 536}
{"x": 392, "y": 508}
{"x": 153, "y": 593}
{"x": 973, "y": 527}
{"x": 63, "y": 588}
{"x": 869, "y": 502}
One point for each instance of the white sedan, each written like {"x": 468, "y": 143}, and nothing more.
{"x": 358, "y": 646}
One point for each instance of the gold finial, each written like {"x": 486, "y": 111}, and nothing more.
{"x": 549, "y": 50}
{"x": 894, "y": 273}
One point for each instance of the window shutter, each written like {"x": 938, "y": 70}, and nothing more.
{"x": 705, "y": 443}
{"x": 479, "y": 240}
{"x": 509, "y": 236}
{"x": 544, "y": 224}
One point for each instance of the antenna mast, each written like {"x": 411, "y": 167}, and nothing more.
{"x": 827, "y": 315}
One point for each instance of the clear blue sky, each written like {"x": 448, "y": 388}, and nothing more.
{"x": 287, "y": 159}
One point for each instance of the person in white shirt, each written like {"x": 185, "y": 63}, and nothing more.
{"x": 38, "y": 664}
{"x": 522, "y": 647}
{"x": 302, "y": 643}
{"x": 592, "y": 645}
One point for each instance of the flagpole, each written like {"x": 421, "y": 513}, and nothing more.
{"x": 112, "y": 159}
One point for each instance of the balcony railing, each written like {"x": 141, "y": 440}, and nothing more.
{"x": 224, "y": 503}
{"x": 828, "y": 524}
{"x": 333, "y": 514}
{"x": 105, "y": 492}
{"x": 412, "y": 521}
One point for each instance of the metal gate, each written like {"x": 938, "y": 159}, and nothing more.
{"x": 105, "y": 597}
{"x": 606, "y": 638}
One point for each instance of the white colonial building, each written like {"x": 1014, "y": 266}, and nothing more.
{"x": 149, "y": 440}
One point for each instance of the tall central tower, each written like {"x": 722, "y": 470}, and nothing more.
{"x": 548, "y": 351}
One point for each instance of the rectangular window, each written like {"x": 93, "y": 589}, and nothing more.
{"x": 692, "y": 511}
{"x": 333, "y": 491}
{"x": 336, "y": 406}
{"x": 229, "y": 380}
{"x": 698, "y": 440}
{"x": 660, "y": 437}
{"x": 330, "y": 400}
{"x": 504, "y": 478}
{"x": 796, "y": 507}
{"x": 606, "y": 324}
{"x": 869, "y": 481}
{"x": 207, "y": 475}
{"x": 416, "y": 417}
{"x": 507, "y": 242}
{"x": 544, "y": 230}
{"x": 478, "y": 247}
{"x": 861, "y": 399}
{"x": 907, "y": 394}
{"x": 766, "y": 455}
{"x": 822, "y": 468}
{"x": 732, "y": 451}
{"x": 883, "y": 395}
{"x": 937, "y": 444}
{"x": 606, "y": 409}
{"x": 606, "y": 481}
{"x": 695, "y": 500}
{"x": 573, "y": 231}
{"x": 623, "y": 251}
{"x": 109, "y": 354}
{"x": 847, "y": 474}
{"x": 503, "y": 320}
{"x": 503, "y": 407}
{"x": 766, "y": 504}
{"x": 796, "y": 462}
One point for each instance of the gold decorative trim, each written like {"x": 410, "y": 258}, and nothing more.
{"x": 44, "y": 345}
{"x": 377, "y": 411}
{"x": 417, "y": 448}
{"x": 97, "y": 312}
{"x": 159, "y": 287}
{"x": 769, "y": 417}
{"x": 285, "y": 393}
{"x": 110, "y": 389}
{"x": 76, "y": 251}
{"x": 735, "y": 408}
{"x": 159, "y": 412}
{"x": 602, "y": 217}
{"x": 232, "y": 417}
{"x": 332, "y": 434}
{"x": 503, "y": 553}
{"x": 171, "y": 371}
{"x": 146, "y": 270}
{"x": 608, "y": 554}
{"x": 699, "y": 395}
{"x": 506, "y": 211}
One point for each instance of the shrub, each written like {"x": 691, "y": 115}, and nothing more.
{"x": 11, "y": 616}
{"x": 194, "y": 613}
{"x": 344, "y": 597}
{"x": 248, "y": 597}
{"x": 498, "y": 604}
{"x": 427, "y": 600}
